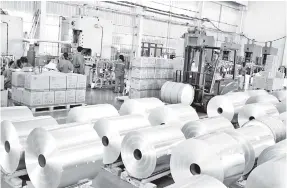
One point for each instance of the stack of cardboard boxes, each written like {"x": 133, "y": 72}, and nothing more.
{"x": 4, "y": 93}
{"x": 148, "y": 75}
{"x": 48, "y": 89}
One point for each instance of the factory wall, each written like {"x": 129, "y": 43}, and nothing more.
{"x": 266, "y": 20}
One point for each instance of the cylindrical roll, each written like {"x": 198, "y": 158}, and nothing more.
{"x": 281, "y": 106}
{"x": 83, "y": 114}
{"x": 280, "y": 95}
{"x": 218, "y": 155}
{"x": 172, "y": 114}
{"x": 147, "y": 151}
{"x": 271, "y": 174}
{"x": 262, "y": 99}
{"x": 227, "y": 105}
{"x": 13, "y": 140}
{"x": 253, "y": 111}
{"x": 140, "y": 106}
{"x": 112, "y": 131}
{"x": 62, "y": 157}
{"x": 252, "y": 93}
{"x": 174, "y": 92}
{"x": 273, "y": 152}
{"x": 205, "y": 126}
{"x": 283, "y": 117}
{"x": 199, "y": 181}
{"x": 15, "y": 112}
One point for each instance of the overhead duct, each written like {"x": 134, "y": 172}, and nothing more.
{"x": 15, "y": 112}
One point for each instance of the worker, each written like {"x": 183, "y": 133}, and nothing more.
{"x": 79, "y": 61}
{"x": 65, "y": 65}
{"x": 8, "y": 76}
{"x": 17, "y": 65}
{"x": 25, "y": 62}
{"x": 120, "y": 74}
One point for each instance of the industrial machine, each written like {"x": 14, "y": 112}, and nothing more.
{"x": 251, "y": 51}
{"x": 268, "y": 50}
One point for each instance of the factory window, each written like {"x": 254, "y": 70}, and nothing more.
{"x": 151, "y": 49}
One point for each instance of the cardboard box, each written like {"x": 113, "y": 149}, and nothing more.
{"x": 48, "y": 98}
{"x": 39, "y": 82}
{"x": 14, "y": 93}
{"x": 4, "y": 98}
{"x": 58, "y": 81}
{"x": 32, "y": 98}
{"x": 72, "y": 80}
{"x": 2, "y": 82}
{"x": 70, "y": 96}
{"x": 18, "y": 79}
{"x": 19, "y": 94}
{"x": 60, "y": 97}
{"x": 80, "y": 95}
{"x": 82, "y": 81}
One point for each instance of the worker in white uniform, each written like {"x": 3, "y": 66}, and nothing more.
{"x": 79, "y": 61}
{"x": 120, "y": 74}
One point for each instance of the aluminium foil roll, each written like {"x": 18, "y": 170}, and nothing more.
{"x": 13, "y": 140}
{"x": 218, "y": 155}
{"x": 15, "y": 112}
{"x": 262, "y": 99}
{"x": 227, "y": 105}
{"x": 271, "y": 174}
{"x": 62, "y": 157}
{"x": 281, "y": 106}
{"x": 205, "y": 126}
{"x": 112, "y": 131}
{"x": 258, "y": 92}
{"x": 283, "y": 117}
{"x": 280, "y": 95}
{"x": 253, "y": 111}
{"x": 273, "y": 152}
{"x": 83, "y": 114}
{"x": 140, "y": 106}
{"x": 177, "y": 114}
{"x": 199, "y": 181}
{"x": 147, "y": 151}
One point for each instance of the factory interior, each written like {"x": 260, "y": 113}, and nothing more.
{"x": 143, "y": 94}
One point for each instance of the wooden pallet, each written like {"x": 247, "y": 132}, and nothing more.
{"x": 14, "y": 179}
{"x": 51, "y": 108}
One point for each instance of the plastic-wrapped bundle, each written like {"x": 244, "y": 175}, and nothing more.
{"x": 253, "y": 111}
{"x": 112, "y": 131}
{"x": 283, "y": 117}
{"x": 148, "y": 151}
{"x": 281, "y": 106}
{"x": 174, "y": 92}
{"x": 262, "y": 99}
{"x": 15, "y": 112}
{"x": 199, "y": 181}
{"x": 218, "y": 155}
{"x": 205, "y": 126}
{"x": 62, "y": 157}
{"x": 280, "y": 95}
{"x": 271, "y": 174}
{"x": 252, "y": 93}
{"x": 227, "y": 105}
{"x": 83, "y": 114}
{"x": 172, "y": 114}
{"x": 273, "y": 152}
{"x": 140, "y": 106}
{"x": 13, "y": 140}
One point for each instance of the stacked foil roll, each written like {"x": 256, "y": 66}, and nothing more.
{"x": 172, "y": 114}
{"x": 174, "y": 92}
{"x": 62, "y": 157}
{"x": 16, "y": 112}
{"x": 147, "y": 151}
{"x": 280, "y": 95}
{"x": 273, "y": 152}
{"x": 90, "y": 113}
{"x": 112, "y": 131}
{"x": 262, "y": 99}
{"x": 281, "y": 106}
{"x": 13, "y": 140}
{"x": 140, "y": 106}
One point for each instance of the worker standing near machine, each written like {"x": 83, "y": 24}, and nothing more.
{"x": 65, "y": 65}
{"x": 79, "y": 61}
{"x": 120, "y": 74}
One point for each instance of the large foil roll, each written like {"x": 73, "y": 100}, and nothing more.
{"x": 273, "y": 152}
{"x": 253, "y": 111}
{"x": 174, "y": 92}
{"x": 140, "y": 106}
{"x": 62, "y": 157}
{"x": 283, "y": 117}
{"x": 13, "y": 140}
{"x": 199, "y": 181}
{"x": 205, "y": 126}
{"x": 15, "y": 112}
{"x": 271, "y": 174}
{"x": 172, "y": 114}
{"x": 83, "y": 114}
{"x": 280, "y": 95}
{"x": 227, "y": 105}
{"x": 112, "y": 131}
{"x": 146, "y": 152}
{"x": 218, "y": 155}
{"x": 281, "y": 106}
{"x": 262, "y": 99}
{"x": 258, "y": 92}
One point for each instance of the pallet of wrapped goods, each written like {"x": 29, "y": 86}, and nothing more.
{"x": 57, "y": 80}
{"x": 134, "y": 93}
{"x": 70, "y": 96}
{"x": 18, "y": 78}
{"x": 32, "y": 98}
{"x": 60, "y": 97}
{"x": 80, "y": 95}
{"x": 2, "y": 82}
{"x": 143, "y": 62}
{"x": 72, "y": 80}
{"x": 37, "y": 82}
{"x": 81, "y": 81}
{"x": 4, "y": 98}
{"x": 48, "y": 97}
{"x": 274, "y": 84}
{"x": 139, "y": 72}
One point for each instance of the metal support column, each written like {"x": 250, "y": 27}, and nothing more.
{"x": 43, "y": 15}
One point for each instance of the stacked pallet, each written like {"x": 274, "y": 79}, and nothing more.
{"x": 48, "y": 89}
{"x": 148, "y": 75}
{"x": 4, "y": 93}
